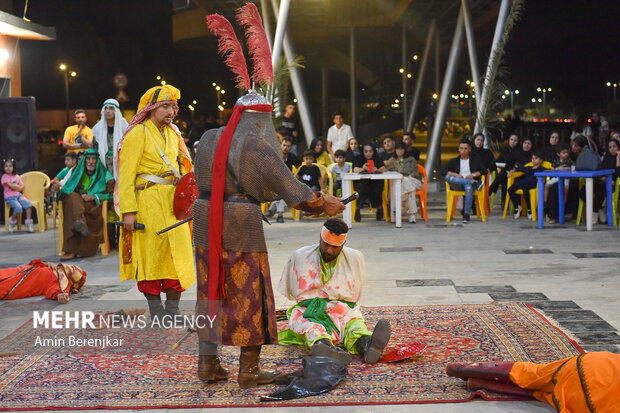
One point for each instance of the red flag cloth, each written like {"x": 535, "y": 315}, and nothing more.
{"x": 216, "y": 208}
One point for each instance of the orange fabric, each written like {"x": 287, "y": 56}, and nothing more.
{"x": 602, "y": 377}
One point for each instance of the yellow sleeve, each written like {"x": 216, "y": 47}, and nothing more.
{"x": 68, "y": 133}
{"x": 129, "y": 159}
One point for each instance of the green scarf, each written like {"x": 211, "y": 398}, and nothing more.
{"x": 317, "y": 313}
{"x": 98, "y": 179}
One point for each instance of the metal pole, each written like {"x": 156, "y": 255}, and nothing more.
{"x": 444, "y": 96}
{"x": 471, "y": 46}
{"x": 420, "y": 78}
{"x": 296, "y": 81}
{"x": 499, "y": 28}
{"x": 437, "y": 61}
{"x": 404, "y": 77}
{"x": 282, "y": 12}
{"x": 324, "y": 97}
{"x": 352, "y": 78}
{"x": 264, "y": 8}
{"x": 67, "y": 95}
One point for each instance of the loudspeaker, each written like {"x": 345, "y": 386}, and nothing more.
{"x": 18, "y": 132}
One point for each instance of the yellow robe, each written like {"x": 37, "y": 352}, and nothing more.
{"x": 154, "y": 257}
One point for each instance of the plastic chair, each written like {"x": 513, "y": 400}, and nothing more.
{"x": 452, "y": 197}
{"x": 104, "y": 246}
{"x": 614, "y": 203}
{"x": 533, "y": 193}
{"x": 35, "y": 185}
{"x": 422, "y": 193}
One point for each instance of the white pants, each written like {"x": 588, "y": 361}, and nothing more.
{"x": 409, "y": 186}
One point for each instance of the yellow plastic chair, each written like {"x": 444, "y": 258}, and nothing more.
{"x": 104, "y": 246}
{"x": 35, "y": 185}
{"x": 533, "y": 194}
{"x": 614, "y": 203}
{"x": 452, "y": 197}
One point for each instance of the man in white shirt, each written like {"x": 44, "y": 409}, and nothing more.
{"x": 464, "y": 173}
{"x": 338, "y": 136}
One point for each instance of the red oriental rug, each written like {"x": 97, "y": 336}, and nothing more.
{"x": 145, "y": 373}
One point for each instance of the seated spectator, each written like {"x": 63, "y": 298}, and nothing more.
{"x": 464, "y": 173}
{"x": 321, "y": 157}
{"x": 310, "y": 174}
{"x": 524, "y": 156}
{"x": 581, "y": 128}
{"x": 408, "y": 138}
{"x": 525, "y": 182}
{"x": 339, "y": 168}
{"x": 354, "y": 151}
{"x": 551, "y": 151}
{"x": 90, "y": 184}
{"x": 611, "y": 160}
{"x": 484, "y": 155}
{"x": 507, "y": 156}
{"x": 54, "y": 281}
{"x": 388, "y": 143}
{"x": 291, "y": 161}
{"x": 64, "y": 175}
{"x": 571, "y": 196}
{"x": 326, "y": 280}
{"x": 408, "y": 167}
{"x": 562, "y": 161}
{"x": 13, "y": 187}
{"x": 369, "y": 189}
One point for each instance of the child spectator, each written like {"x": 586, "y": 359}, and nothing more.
{"x": 13, "y": 187}
{"x": 339, "y": 168}
{"x": 526, "y": 182}
{"x": 64, "y": 175}
{"x": 562, "y": 161}
{"x": 402, "y": 163}
{"x": 310, "y": 174}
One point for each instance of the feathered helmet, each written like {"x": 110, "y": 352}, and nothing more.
{"x": 258, "y": 47}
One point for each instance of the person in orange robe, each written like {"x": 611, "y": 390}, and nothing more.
{"x": 589, "y": 382}
{"x": 54, "y": 281}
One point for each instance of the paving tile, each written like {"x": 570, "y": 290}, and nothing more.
{"x": 469, "y": 289}
{"x": 424, "y": 283}
{"x": 444, "y": 225}
{"x": 598, "y": 338}
{"x": 573, "y": 315}
{"x": 596, "y": 254}
{"x": 529, "y": 251}
{"x": 401, "y": 249}
{"x": 518, "y": 296}
{"x": 610, "y": 348}
{"x": 587, "y": 326}
{"x": 555, "y": 305}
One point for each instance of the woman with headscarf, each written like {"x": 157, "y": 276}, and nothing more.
{"x": 524, "y": 156}
{"x": 322, "y": 157}
{"x": 484, "y": 155}
{"x": 508, "y": 156}
{"x": 108, "y": 132}
{"x": 369, "y": 189}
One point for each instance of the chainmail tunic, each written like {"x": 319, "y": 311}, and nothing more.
{"x": 256, "y": 161}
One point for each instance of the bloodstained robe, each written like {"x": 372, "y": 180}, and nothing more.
{"x": 338, "y": 288}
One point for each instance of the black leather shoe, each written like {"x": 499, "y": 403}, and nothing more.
{"x": 379, "y": 214}
{"x": 358, "y": 215}
{"x": 280, "y": 219}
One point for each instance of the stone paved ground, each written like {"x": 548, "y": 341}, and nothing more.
{"x": 572, "y": 275}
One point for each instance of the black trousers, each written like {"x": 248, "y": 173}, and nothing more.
{"x": 571, "y": 201}
{"x": 600, "y": 194}
{"x": 370, "y": 189}
{"x": 516, "y": 199}
{"x": 501, "y": 179}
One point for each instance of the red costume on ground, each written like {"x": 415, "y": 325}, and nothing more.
{"x": 40, "y": 278}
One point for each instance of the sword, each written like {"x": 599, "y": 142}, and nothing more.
{"x": 137, "y": 225}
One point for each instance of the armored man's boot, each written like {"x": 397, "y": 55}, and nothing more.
{"x": 172, "y": 302}
{"x": 491, "y": 370}
{"x": 155, "y": 307}
{"x": 250, "y": 374}
{"x": 209, "y": 368}
{"x": 371, "y": 347}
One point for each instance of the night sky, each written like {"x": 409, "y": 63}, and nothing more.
{"x": 571, "y": 46}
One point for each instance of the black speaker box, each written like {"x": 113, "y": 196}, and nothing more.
{"x": 18, "y": 132}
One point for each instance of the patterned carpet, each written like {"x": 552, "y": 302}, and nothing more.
{"x": 146, "y": 373}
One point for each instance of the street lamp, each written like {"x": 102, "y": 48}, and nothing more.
{"x": 615, "y": 86}
{"x": 512, "y": 94}
{"x": 63, "y": 67}
{"x": 544, "y": 98}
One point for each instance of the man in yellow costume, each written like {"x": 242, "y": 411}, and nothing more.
{"x": 151, "y": 158}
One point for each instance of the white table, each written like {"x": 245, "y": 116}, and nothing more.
{"x": 394, "y": 180}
